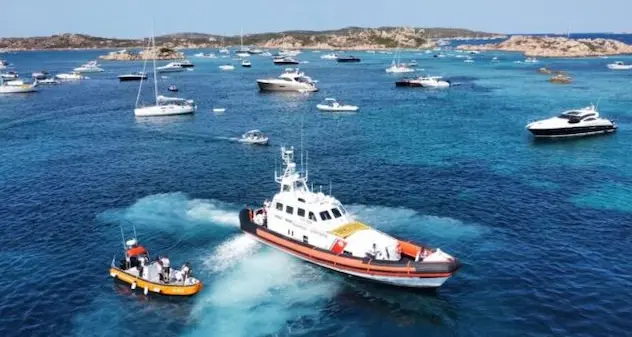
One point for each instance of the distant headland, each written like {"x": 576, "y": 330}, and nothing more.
{"x": 541, "y": 46}
{"x": 346, "y": 38}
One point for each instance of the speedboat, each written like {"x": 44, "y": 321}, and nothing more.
{"x": 254, "y": 137}
{"x": 186, "y": 64}
{"x": 408, "y": 82}
{"x": 618, "y": 65}
{"x": 246, "y": 64}
{"x": 167, "y": 106}
{"x": 348, "y": 59}
{"x": 290, "y": 80}
{"x": 330, "y": 56}
{"x": 399, "y": 68}
{"x": 284, "y": 60}
{"x": 171, "y": 67}
{"x": 227, "y": 67}
{"x": 157, "y": 276}
{"x": 172, "y": 88}
{"x": 40, "y": 75}
{"x": 47, "y": 81}
{"x": 573, "y": 123}
{"x": 90, "y": 67}
{"x": 433, "y": 82}
{"x": 136, "y": 76}
{"x": 16, "y": 87}
{"x": 317, "y": 228}
{"x": 255, "y": 51}
{"x": 10, "y": 75}
{"x": 74, "y": 76}
{"x": 330, "y": 104}
{"x": 531, "y": 60}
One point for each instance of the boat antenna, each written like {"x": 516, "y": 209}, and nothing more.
{"x": 153, "y": 42}
{"x": 302, "y": 121}
{"x": 330, "y": 187}
{"x": 122, "y": 236}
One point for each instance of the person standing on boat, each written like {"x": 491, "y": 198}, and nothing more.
{"x": 165, "y": 268}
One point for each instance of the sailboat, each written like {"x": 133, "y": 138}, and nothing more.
{"x": 164, "y": 106}
{"x": 224, "y": 50}
{"x": 242, "y": 52}
{"x": 397, "y": 67}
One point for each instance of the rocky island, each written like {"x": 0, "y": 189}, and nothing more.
{"x": 345, "y": 38}
{"x": 540, "y": 46}
{"x": 161, "y": 53}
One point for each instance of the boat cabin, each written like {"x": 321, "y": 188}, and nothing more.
{"x": 582, "y": 115}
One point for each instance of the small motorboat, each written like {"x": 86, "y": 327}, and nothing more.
{"x": 284, "y": 60}
{"x": 10, "y": 75}
{"x": 433, "y": 82}
{"x": 40, "y": 75}
{"x": 136, "y": 76}
{"x": 90, "y": 67}
{"x": 74, "y": 76}
{"x": 16, "y": 87}
{"x": 330, "y": 104}
{"x": 531, "y": 60}
{"x": 254, "y": 137}
{"x": 172, "y": 88}
{"x": 618, "y": 65}
{"x": 227, "y": 67}
{"x": 348, "y": 59}
{"x": 408, "y": 82}
{"x": 246, "y": 64}
{"x": 573, "y": 123}
{"x": 157, "y": 276}
{"x": 219, "y": 109}
{"x": 398, "y": 68}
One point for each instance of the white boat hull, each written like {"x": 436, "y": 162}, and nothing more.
{"x": 163, "y": 110}
{"x": 170, "y": 70}
{"x": 288, "y": 86}
{"x": 619, "y": 67}
{"x": 324, "y": 107}
{"x": 88, "y": 70}
{"x": 407, "y": 282}
{"x": 17, "y": 89}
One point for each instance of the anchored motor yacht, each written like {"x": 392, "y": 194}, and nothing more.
{"x": 330, "y": 104}
{"x": 246, "y": 64}
{"x": 47, "y": 81}
{"x": 348, "y": 59}
{"x": 254, "y": 137}
{"x": 186, "y": 64}
{"x": 90, "y": 67}
{"x": 136, "y": 76}
{"x": 291, "y": 53}
{"x": 318, "y": 229}
{"x": 573, "y": 123}
{"x": 618, "y": 65}
{"x": 171, "y": 67}
{"x": 40, "y": 75}
{"x": 10, "y": 75}
{"x": 284, "y": 60}
{"x": 432, "y": 82}
{"x": 290, "y": 80}
{"x": 16, "y": 87}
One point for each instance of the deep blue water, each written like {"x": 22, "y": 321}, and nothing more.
{"x": 543, "y": 228}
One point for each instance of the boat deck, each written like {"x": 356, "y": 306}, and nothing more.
{"x": 153, "y": 275}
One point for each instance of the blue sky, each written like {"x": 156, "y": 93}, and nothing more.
{"x": 130, "y": 18}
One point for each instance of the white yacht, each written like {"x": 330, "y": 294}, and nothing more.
{"x": 254, "y": 137}
{"x": 171, "y": 67}
{"x": 330, "y": 56}
{"x": 290, "y": 53}
{"x": 433, "y": 82}
{"x": 163, "y": 106}
{"x": 318, "y": 229}
{"x": 618, "y": 65}
{"x": 90, "y": 67}
{"x": 10, "y": 75}
{"x": 47, "y": 81}
{"x": 226, "y": 67}
{"x": 246, "y": 63}
{"x": 16, "y": 87}
{"x": 399, "y": 68}
{"x": 290, "y": 80}
{"x": 74, "y": 76}
{"x": 573, "y": 123}
{"x": 242, "y": 52}
{"x": 39, "y": 75}
{"x": 331, "y": 104}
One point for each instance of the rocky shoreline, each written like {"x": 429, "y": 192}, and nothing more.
{"x": 538, "y": 46}
{"x": 150, "y": 54}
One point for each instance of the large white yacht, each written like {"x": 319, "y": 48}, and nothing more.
{"x": 171, "y": 67}
{"x": 16, "y": 87}
{"x": 90, "y": 67}
{"x": 573, "y": 123}
{"x": 290, "y": 80}
{"x": 317, "y": 228}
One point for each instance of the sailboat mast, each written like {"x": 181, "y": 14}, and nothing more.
{"x": 153, "y": 42}
{"x": 242, "y": 39}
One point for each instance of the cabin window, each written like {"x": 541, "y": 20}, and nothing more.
{"x": 343, "y": 210}
{"x": 336, "y": 213}
{"x": 590, "y": 119}
{"x": 301, "y": 212}
{"x": 289, "y": 209}
{"x": 286, "y": 188}
{"x": 305, "y": 239}
{"x": 279, "y": 206}
{"x": 324, "y": 215}
{"x": 312, "y": 216}
{"x": 346, "y": 252}
{"x": 301, "y": 199}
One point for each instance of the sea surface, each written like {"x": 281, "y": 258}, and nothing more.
{"x": 543, "y": 228}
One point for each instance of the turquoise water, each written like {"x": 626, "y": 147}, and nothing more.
{"x": 542, "y": 228}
